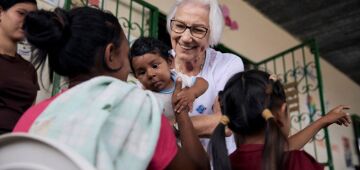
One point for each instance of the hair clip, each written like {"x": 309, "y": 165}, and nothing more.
{"x": 266, "y": 114}
{"x": 224, "y": 120}
{"x": 273, "y": 77}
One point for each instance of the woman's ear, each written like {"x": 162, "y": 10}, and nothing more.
{"x": 112, "y": 60}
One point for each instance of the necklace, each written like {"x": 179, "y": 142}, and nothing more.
{"x": 202, "y": 66}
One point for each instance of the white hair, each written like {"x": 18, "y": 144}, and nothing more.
{"x": 216, "y": 21}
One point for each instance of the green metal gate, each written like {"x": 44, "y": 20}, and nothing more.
{"x": 137, "y": 18}
{"x": 299, "y": 68}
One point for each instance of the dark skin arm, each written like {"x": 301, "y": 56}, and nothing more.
{"x": 187, "y": 96}
{"x": 336, "y": 115}
{"x": 205, "y": 124}
{"x": 192, "y": 154}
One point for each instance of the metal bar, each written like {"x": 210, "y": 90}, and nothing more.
{"x": 284, "y": 52}
{"x": 154, "y": 23}
{"x": 117, "y": 8}
{"x": 67, "y": 4}
{"x": 321, "y": 95}
{"x": 294, "y": 65}
{"x": 308, "y": 93}
{"x": 142, "y": 20}
{"x": 274, "y": 61}
{"x": 284, "y": 68}
{"x": 102, "y": 4}
{"x": 265, "y": 64}
{"x": 295, "y": 78}
{"x": 129, "y": 22}
{"x": 146, "y": 4}
{"x": 305, "y": 71}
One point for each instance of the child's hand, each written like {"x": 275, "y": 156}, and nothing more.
{"x": 338, "y": 116}
{"x": 185, "y": 99}
{"x": 179, "y": 103}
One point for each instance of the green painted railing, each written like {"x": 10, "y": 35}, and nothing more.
{"x": 137, "y": 18}
{"x": 300, "y": 65}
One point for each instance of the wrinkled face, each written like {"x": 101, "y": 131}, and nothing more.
{"x": 186, "y": 46}
{"x": 11, "y": 20}
{"x": 152, "y": 71}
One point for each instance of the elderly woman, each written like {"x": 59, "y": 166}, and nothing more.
{"x": 195, "y": 26}
{"x": 18, "y": 80}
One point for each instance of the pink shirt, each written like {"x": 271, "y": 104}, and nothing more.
{"x": 166, "y": 147}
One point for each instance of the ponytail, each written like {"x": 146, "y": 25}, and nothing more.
{"x": 274, "y": 147}
{"x": 48, "y": 32}
{"x": 275, "y": 140}
{"x": 72, "y": 41}
{"x": 219, "y": 152}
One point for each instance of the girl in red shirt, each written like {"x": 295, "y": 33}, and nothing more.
{"x": 253, "y": 104}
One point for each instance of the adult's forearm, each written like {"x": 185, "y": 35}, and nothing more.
{"x": 190, "y": 142}
{"x": 205, "y": 124}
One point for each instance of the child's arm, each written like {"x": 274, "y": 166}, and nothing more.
{"x": 199, "y": 87}
{"x": 191, "y": 149}
{"x": 336, "y": 115}
{"x": 188, "y": 95}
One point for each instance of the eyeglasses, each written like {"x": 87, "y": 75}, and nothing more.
{"x": 197, "y": 31}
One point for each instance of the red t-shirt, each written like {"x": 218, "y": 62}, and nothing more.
{"x": 249, "y": 157}
{"x": 165, "y": 150}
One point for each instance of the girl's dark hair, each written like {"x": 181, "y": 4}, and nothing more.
{"x": 145, "y": 45}
{"x": 6, "y": 4}
{"x": 73, "y": 40}
{"x": 244, "y": 98}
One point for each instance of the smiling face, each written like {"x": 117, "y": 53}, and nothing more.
{"x": 186, "y": 46}
{"x": 11, "y": 20}
{"x": 152, "y": 71}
